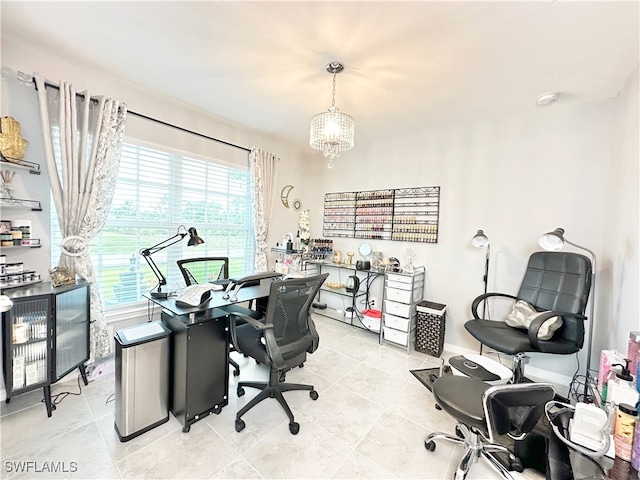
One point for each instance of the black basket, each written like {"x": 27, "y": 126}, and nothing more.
{"x": 430, "y": 326}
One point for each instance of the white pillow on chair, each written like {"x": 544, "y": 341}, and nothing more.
{"x": 523, "y": 314}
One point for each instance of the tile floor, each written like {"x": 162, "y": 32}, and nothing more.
{"x": 370, "y": 422}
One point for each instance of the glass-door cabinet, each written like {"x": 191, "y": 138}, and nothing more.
{"x": 45, "y": 337}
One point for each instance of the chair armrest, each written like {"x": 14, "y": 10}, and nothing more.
{"x": 257, "y": 324}
{"x": 483, "y": 298}
{"x": 237, "y": 284}
{"x": 535, "y": 325}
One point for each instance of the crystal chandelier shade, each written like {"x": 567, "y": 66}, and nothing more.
{"x": 332, "y": 132}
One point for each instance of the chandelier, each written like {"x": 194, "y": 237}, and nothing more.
{"x": 332, "y": 131}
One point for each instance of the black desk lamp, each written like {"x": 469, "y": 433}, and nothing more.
{"x": 194, "y": 239}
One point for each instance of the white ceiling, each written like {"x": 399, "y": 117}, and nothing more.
{"x": 409, "y": 66}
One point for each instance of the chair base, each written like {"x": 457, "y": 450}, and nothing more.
{"x": 273, "y": 389}
{"x": 476, "y": 447}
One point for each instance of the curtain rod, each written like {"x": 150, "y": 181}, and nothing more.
{"x": 146, "y": 117}
{"x": 182, "y": 129}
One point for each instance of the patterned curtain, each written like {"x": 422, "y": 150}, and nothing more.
{"x": 88, "y": 133}
{"x": 262, "y": 167}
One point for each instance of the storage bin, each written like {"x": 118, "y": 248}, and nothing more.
{"x": 371, "y": 319}
{"x": 396, "y": 336}
{"x": 399, "y": 309}
{"x": 403, "y": 296}
{"x": 397, "y": 323}
{"x": 400, "y": 285}
{"x": 394, "y": 277}
{"x": 430, "y": 328}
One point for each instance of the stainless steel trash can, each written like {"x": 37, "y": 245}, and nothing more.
{"x": 142, "y": 379}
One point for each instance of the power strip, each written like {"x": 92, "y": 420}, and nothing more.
{"x": 105, "y": 367}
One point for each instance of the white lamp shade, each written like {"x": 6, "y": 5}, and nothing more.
{"x": 552, "y": 240}
{"x": 332, "y": 132}
{"x": 480, "y": 239}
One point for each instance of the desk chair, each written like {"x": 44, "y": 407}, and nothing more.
{"x": 483, "y": 412}
{"x": 554, "y": 284}
{"x": 281, "y": 342}
{"x": 211, "y": 270}
{"x": 204, "y": 269}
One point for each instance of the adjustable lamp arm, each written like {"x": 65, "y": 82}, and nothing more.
{"x": 148, "y": 252}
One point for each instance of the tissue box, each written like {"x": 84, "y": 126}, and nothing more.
{"x": 607, "y": 358}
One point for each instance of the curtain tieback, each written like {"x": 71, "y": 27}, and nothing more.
{"x": 78, "y": 248}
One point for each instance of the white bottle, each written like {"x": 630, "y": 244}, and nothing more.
{"x": 621, "y": 389}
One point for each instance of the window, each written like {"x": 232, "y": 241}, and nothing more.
{"x": 156, "y": 193}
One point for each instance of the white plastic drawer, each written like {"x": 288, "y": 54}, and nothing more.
{"x": 400, "y": 285}
{"x": 396, "y": 336}
{"x": 395, "y": 277}
{"x": 402, "y": 296}
{"x": 397, "y": 323}
{"x": 399, "y": 309}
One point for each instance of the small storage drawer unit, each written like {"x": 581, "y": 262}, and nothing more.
{"x": 402, "y": 291}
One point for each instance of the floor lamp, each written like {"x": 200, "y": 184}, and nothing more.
{"x": 555, "y": 241}
{"x": 481, "y": 240}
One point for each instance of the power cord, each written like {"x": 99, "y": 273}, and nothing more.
{"x": 59, "y": 397}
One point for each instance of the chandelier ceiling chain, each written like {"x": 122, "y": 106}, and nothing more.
{"x": 332, "y": 132}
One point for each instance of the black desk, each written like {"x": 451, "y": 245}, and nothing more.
{"x": 199, "y": 372}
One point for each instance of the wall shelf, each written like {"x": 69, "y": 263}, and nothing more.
{"x": 7, "y": 202}
{"x": 33, "y": 168}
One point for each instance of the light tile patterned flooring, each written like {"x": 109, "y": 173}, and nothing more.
{"x": 370, "y": 421}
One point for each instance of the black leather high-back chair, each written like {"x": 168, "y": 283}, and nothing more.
{"x": 484, "y": 413}
{"x": 557, "y": 283}
{"x": 281, "y": 342}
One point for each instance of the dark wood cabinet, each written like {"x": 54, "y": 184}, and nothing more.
{"x": 45, "y": 336}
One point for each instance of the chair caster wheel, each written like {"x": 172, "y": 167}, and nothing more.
{"x": 240, "y": 391}
{"x": 313, "y": 394}
{"x": 294, "y": 428}
{"x": 217, "y": 410}
{"x": 283, "y": 377}
{"x": 438, "y": 407}
{"x": 240, "y": 425}
{"x": 186, "y": 429}
{"x": 301, "y": 365}
{"x": 430, "y": 445}
{"x": 459, "y": 433}
{"x": 236, "y": 373}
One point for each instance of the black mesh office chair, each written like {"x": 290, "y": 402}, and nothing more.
{"x": 557, "y": 283}
{"x": 281, "y": 342}
{"x": 211, "y": 270}
{"x": 204, "y": 269}
{"x": 483, "y": 412}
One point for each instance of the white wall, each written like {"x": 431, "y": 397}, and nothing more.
{"x": 517, "y": 178}
{"x": 620, "y": 265}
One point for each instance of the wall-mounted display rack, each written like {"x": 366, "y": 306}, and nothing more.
{"x": 403, "y": 214}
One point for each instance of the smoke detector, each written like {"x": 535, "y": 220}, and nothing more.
{"x": 546, "y": 98}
